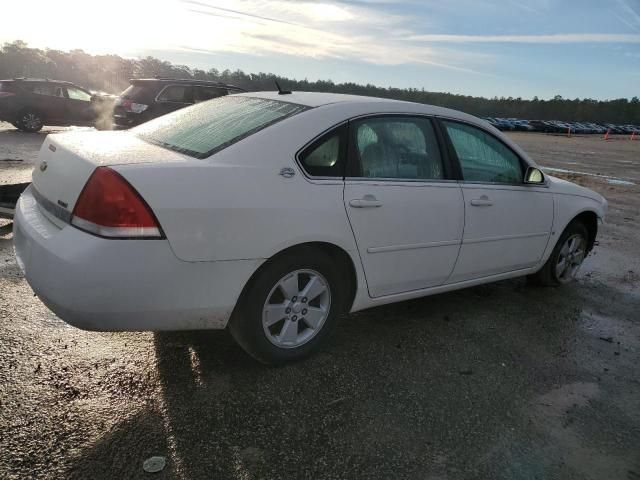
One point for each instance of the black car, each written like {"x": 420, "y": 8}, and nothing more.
{"x": 30, "y": 103}
{"x": 148, "y": 98}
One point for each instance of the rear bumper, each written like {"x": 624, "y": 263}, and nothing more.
{"x": 111, "y": 285}
{"x": 123, "y": 120}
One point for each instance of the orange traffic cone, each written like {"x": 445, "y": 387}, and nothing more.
{"x": 606, "y": 135}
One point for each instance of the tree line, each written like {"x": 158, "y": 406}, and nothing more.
{"x": 111, "y": 73}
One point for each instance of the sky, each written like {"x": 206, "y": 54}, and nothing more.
{"x": 518, "y": 48}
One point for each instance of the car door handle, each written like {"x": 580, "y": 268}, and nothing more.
{"x": 368, "y": 201}
{"x": 483, "y": 201}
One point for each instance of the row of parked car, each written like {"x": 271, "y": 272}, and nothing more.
{"x": 557, "y": 126}
{"x": 31, "y": 103}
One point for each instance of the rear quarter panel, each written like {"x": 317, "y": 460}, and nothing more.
{"x": 236, "y": 205}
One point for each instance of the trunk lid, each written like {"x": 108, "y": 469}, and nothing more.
{"x": 67, "y": 160}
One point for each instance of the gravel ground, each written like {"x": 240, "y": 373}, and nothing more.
{"x": 502, "y": 381}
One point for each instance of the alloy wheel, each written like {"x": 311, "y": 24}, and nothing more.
{"x": 570, "y": 258}
{"x": 31, "y": 121}
{"x": 296, "y": 308}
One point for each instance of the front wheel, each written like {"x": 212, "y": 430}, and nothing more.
{"x": 566, "y": 258}
{"x": 290, "y": 307}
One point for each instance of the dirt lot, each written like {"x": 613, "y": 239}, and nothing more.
{"x": 504, "y": 381}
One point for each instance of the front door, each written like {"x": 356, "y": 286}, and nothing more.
{"x": 79, "y": 107}
{"x": 406, "y": 215}
{"x": 507, "y": 222}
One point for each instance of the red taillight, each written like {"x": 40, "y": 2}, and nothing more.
{"x": 109, "y": 206}
{"x": 126, "y": 104}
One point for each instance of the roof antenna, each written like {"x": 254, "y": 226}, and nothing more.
{"x": 280, "y": 91}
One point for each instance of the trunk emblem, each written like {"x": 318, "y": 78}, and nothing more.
{"x": 43, "y": 166}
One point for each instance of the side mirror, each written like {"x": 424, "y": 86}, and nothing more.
{"x": 534, "y": 175}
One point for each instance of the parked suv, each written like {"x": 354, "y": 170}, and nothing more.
{"x": 148, "y": 98}
{"x": 30, "y": 103}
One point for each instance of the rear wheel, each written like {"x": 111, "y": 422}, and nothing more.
{"x": 30, "y": 121}
{"x": 566, "y": 258}
{"x": 290, "y": 307}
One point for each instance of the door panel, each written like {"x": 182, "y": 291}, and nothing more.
{"x": 48, "y": 99}
{"x": 410, "y": 240}
{"x": 507, "y": 230}
{"x": 507, "y": 223}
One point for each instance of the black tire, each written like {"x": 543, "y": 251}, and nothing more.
{"x": 547, "y": 275}
{"x": 30, "y": 121}
{"x": 246, "y": 325}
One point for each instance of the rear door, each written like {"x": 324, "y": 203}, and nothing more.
{"x": 405, "y": 211}
{"x": 173, "y": 97}
{"x": 46, "y": 98}
{"x": 507, "y": 222}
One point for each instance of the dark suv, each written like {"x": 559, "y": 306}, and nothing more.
{"x": 30, "y": 103}
{"x": 148, "y": 98}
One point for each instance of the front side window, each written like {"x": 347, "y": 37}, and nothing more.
{"x": 208, "y": 127}
{"x": 396, "y": 147}
{"x": 483, "y": 158}
{"x": 77, "y": 94}
{"x": 175, "y": 93}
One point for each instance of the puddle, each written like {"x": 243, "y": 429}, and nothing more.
{"x": 617, "y": 181}
{"x": 609, "y": 179}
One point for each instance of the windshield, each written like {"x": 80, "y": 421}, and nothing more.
{"x": 208, "y": 127}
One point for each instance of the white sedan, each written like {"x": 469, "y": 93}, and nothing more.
{"x": 273, "y": 214}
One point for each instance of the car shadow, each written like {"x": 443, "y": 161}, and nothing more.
{"x": 409, "y": 390}
{"x": 401, "y": 378}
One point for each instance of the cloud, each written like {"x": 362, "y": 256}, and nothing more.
{"x": 632, "y": 15}
{"x": 331, "y": 29}
{"x": 553, "y": 38}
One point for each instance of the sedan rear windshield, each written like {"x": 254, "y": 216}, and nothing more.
{"x": 208, "y": 127}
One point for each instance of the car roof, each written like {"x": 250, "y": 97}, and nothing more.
{"x": 186, "y": 81}
{"x": 41, "y": 80}
{"x": 316, "y": 99}
{"x": 373, "y": 104}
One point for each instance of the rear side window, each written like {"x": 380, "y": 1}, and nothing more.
{"x": 132, "y": 92}
{"x": 396, "y": 147}
{"x": 208, "y": 127}
{"x": 176, "y": 93}
{"x": 202, "y": 94}
{"x": 49, "y": 89}
{"x": 325, "y": 157}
